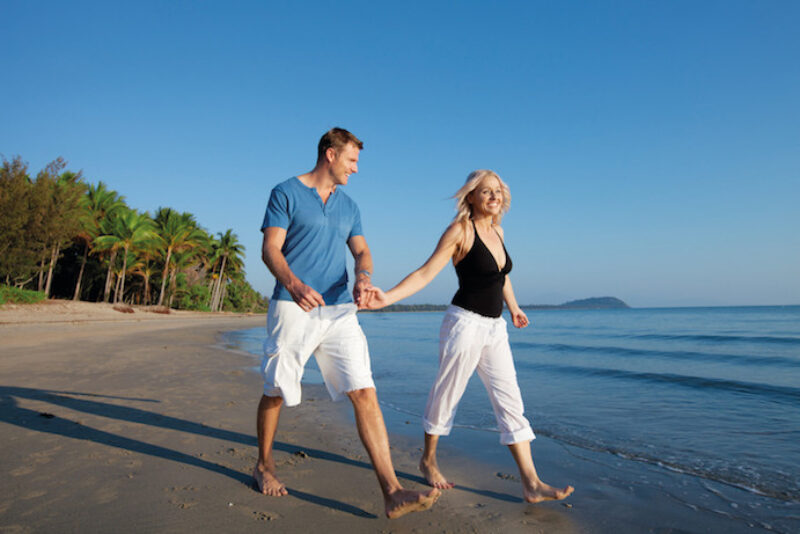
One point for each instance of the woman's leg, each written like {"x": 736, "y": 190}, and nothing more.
{"x": 496, "y": 369}
{"x": 429, "y": 466}
{"x": 533, "y": 489}
{"x": 458, "y": 357}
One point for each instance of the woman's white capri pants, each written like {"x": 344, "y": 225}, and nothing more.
{"x": 468, "y": 341}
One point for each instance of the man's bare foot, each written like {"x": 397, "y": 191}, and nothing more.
{"x": 268, "y": 483}
{"x": 403, "y": 501}
{"x": 430, "y": 470}
{"x": 540, "y": 491}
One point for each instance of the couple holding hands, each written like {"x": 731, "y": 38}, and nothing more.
{"x": 307, "y": 223}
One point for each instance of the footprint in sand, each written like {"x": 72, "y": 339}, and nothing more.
{"x": 105, "y": 496}
{"x": 184, "y": 488}
{"x": 258, "y": 515}
{"x": 23, "y": 470}
{"x": 183, "y": 505}
{"x": 180, "y": 501}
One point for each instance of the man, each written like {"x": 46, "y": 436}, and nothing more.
{"x": 307, "y": 223}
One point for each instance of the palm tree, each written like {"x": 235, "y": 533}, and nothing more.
{"x": 144, "y": 266}
{"x": 234, "y": 272}
{"x": 108, "y": 245}
{"x": 229, "y": 248}
{"x": 99, "y": 203}
{"x": 179, "y": 273}
{"x": 178, "y": 232}
{"x": 130, "y": 230}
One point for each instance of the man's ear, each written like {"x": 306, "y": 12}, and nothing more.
{"x": 330, "y": 154}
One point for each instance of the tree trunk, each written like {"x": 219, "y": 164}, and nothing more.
{"x": 215, "y": 301}
{"x": 121, "y": 295}
{"x": 172, "y": 285}
{"x": 40, "y": 287}
{"x": 107, "y": 290}
{"x": 77, "y": 295}
{"x": 224, "y": 294}
{"x": 53, "y": 260}
{"x": 164, "y": 276}
{"x": 116, "y": 288}
{"x": 210, "y": 289}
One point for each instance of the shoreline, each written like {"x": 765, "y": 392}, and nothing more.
{"x": 69, "y": 311}
{"x": 149, "y": 425}
{"x": 612, "y": 488}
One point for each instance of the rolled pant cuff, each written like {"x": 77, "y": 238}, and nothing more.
{"x": 435, "y": 430}
{"x": 523, "y": 434}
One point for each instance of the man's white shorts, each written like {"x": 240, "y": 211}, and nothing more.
{"x": 331, "y": 333}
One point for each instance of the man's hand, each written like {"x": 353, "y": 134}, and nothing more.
{"x": 305, "y": 297}
{"x": 360, "y": 294}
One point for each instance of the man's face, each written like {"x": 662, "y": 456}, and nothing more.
{"x": 345, "y": 163}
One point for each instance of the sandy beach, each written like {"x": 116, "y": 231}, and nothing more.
{"x": 132, "y": 422}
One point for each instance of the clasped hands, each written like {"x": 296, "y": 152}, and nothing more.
{"x": 369, "y": 297}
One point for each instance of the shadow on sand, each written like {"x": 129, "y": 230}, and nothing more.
{"x": 90, "y": 403}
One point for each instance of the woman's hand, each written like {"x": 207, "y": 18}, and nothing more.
{"x": 375, "y": 298}
{"x": 519, "y": 318}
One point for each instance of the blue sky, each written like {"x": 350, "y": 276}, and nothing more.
{"x": 652, "y": 148}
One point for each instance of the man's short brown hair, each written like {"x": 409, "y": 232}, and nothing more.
{"x": 336, "y": 138}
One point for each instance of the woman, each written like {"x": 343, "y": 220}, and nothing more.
{"x": 473, "y": 334}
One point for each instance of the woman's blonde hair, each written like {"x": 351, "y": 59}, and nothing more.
{"x": 463, "y": 207}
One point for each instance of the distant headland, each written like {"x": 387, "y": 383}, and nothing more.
{"x": 594, "y": 303}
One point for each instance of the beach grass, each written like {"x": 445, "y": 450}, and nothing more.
{"x": 15, "y": 295}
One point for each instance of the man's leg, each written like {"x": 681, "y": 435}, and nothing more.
{"x": 269, "y": 411}
{"x": 372, "y": 431}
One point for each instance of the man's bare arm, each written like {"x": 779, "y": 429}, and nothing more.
{"x": 305, "y": 297}
{"x": 363, "y": 265}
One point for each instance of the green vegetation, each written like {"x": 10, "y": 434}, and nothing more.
{"x": 65, "y": 238}
{"x": 14, "y": 295}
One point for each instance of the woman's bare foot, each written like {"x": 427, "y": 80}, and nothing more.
{"x": 430, "y": 470}
{"x": 268, "y": 483}
{"x": 539, "y": 491}
{"x": 403, "y": 501}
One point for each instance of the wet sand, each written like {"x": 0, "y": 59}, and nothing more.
{"x": 145, "y": 422}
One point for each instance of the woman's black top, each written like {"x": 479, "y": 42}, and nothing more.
{"x": 480, "y": 280}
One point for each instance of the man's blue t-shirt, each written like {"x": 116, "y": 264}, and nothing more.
{"x": 316, "y": 237}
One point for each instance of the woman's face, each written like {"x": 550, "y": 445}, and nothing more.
{"x": 487, "y": 198}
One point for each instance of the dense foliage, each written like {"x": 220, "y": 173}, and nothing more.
{"x": 67, "y": 238}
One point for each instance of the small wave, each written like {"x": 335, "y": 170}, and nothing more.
{"x": 728, "y": 477}
{"x": 777, "y": 340}
{"x": 760, "y": 361}
{"x": 783, "y": 393}
{"x": 788, "y": 491}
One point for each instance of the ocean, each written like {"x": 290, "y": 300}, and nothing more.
{"x": 712, "y": 393}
